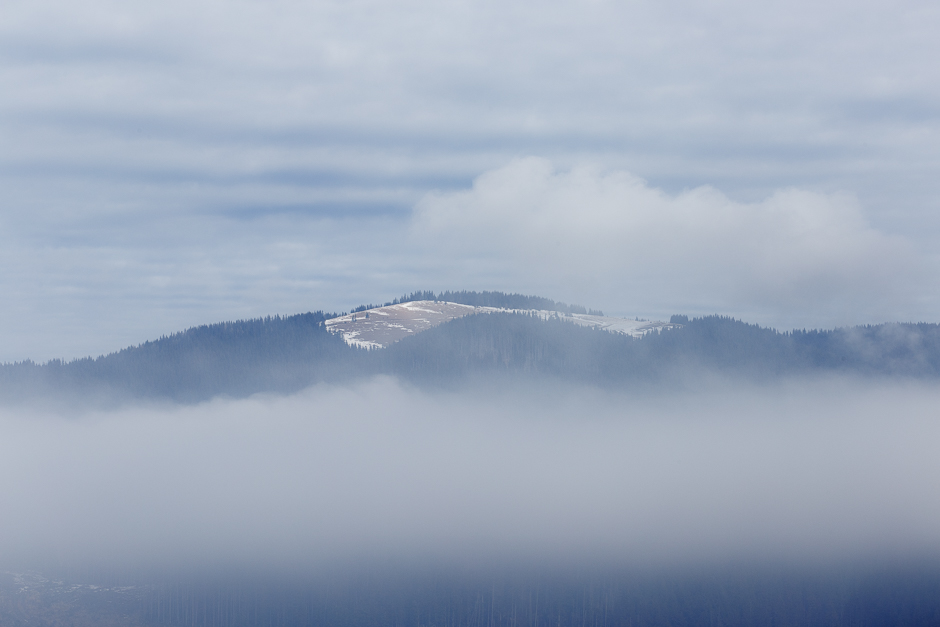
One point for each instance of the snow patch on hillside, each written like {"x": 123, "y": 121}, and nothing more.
{"x": 382, "y": 326}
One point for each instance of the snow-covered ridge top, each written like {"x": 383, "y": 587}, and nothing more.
{"x": 379, "y": 327}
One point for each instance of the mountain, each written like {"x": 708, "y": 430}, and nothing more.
{"x": 433, "y": 341}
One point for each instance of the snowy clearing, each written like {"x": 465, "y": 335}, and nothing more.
{"x": 379, "y": 327}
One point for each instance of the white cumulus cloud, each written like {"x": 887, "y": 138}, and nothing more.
{"x": 594, "y": 232}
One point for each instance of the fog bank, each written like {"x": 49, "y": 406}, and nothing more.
{"x": 800, "y": 472}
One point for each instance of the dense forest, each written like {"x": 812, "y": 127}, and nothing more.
{"x": 286, "y": 354}
{"x": 275, "y": 354}
{"x": 525, "y": 344}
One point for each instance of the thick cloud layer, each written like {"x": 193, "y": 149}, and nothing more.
{"x": 804, "y": 472}
{"x": 176, "y": 163}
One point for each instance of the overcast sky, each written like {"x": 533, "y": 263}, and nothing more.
{"x": 177, "y": 163}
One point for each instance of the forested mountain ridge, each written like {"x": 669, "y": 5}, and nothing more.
{"x": 285, "y": 354}
{"x": 275, "y": 354}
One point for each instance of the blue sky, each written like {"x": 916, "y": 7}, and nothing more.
{"x": 177, "y": 163}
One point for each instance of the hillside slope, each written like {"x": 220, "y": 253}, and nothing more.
{"x": 232, "y": 358}
{"x": 521, "y": 343}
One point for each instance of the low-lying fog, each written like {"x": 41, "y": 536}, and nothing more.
{"x": 798, "y": 472}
